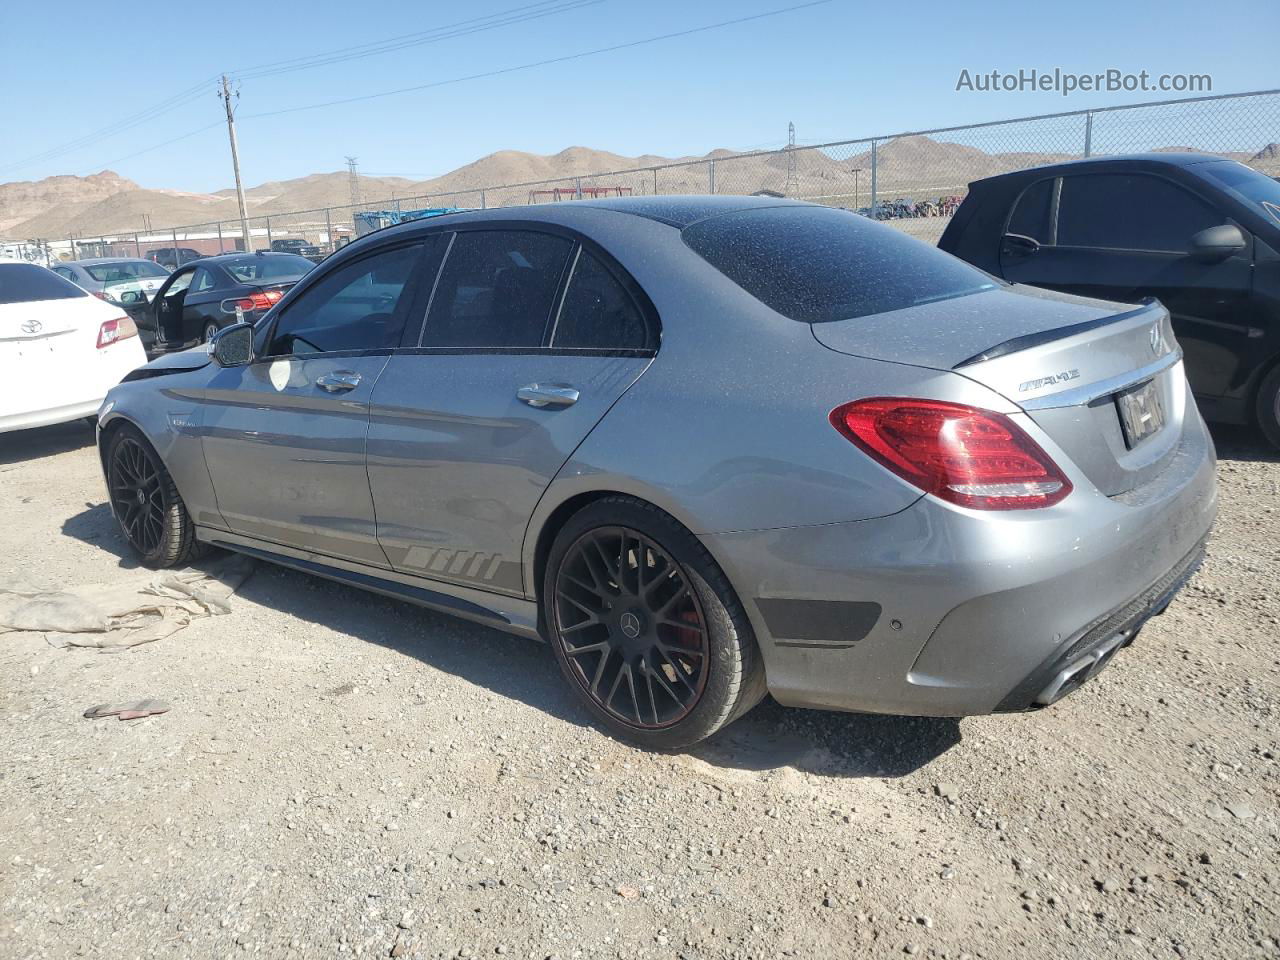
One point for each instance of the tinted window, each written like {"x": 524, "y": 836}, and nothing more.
{"x": 1247, "y": 184}
{"x": 817, "y": 264}
{"x": 597, "y": 310}
{"x": 179, "y": 284}
{"x": 1032, "y": 215}
{"x": 277, "y": 267}
{"x": 497, "y": 289}
{"x": 26, "y": 282}
{"x": 205, "y": 280}
{"x": 352, "y": 308}
{"x": 125, "y": 270}
{"x": 1130, "y": 212}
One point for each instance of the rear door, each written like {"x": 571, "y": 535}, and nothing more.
{"x": 529, "y": 338}
{"x": 1126, "y": 236}
{"x": 285, "y": 435}
{"x": 202, "y": 310}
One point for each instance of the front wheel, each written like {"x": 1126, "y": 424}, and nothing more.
{"x": 1267, "y": 407}
{"x": 210, "y": 329}
{"x": 646, "y": 628}
{"x": 146, "y": 503}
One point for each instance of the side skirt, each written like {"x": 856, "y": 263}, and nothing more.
{"x": 502, "y": 613}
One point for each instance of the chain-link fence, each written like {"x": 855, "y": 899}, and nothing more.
{"x": 912, "y": 180}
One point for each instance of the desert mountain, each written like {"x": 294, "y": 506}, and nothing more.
{"x": 915, "y": 166}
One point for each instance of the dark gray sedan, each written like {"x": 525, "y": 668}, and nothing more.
{"x": 708, "y": 447}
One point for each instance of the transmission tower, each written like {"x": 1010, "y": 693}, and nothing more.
{"x": 792, "y": 186}
{"x": 354, "y": 179}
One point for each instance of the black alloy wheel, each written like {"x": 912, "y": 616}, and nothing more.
{"x": 632, "y": 627}
{"x": 137, "y": 494}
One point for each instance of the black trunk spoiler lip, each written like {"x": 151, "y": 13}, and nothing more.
{"x": 1026, "y": 342}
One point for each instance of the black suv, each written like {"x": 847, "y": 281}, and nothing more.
{"x": 173, "y": 257}
{"x": 1197, "y": 232}
{"x": 299, "y": 246}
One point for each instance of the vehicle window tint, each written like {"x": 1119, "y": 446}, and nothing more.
{"x": 597, "y": 310}
{"x": 497, "y": 289}
{"x": 819, "y": 264}
{"x": 1031, "y": 216}
{"x": 125, "y": 270}
{"x": 1247, "y": 184}
{"x": 179, "y": 284}
{"x": 66, "y": 274}
{"x": 277, "y": 266}
{"x": 1130, "y": 212}
{"x": 352, "y": 308}
{"x": 204, "y": 280}
{"x": 27, "y": 283}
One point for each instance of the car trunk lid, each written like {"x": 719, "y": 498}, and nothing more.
{"x": 1103, "y": 380}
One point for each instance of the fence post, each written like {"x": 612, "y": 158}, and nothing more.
{"x": 220, "y": 236}
{"x": 268, "y": 233}
{"x": 177, "y": 256}
{"x": 577, "y": 188}
{"x": 483, "y": 205}
{"x": 874, "y": 184}
{"x": 328, "y": 231}
{"x": 1088, "y": 134}
{"x": 137, "y": 247}
{"x": 655, "y": 181}
{"x": 711, "y": 176}
{"x": 73, "y": 249}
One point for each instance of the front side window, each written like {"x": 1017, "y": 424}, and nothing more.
{"x": 597, "y": 311}
{"x": 818, "y": 264}
{"x": 179, "y": 284}
{"x": 352, "y": 308}
{"x": 497, "y": 289}
{"x": 1254, "y": 188}
{"x": 204, "y": 280}
{"x": 1033, "y": 213}
{"x": 1130, "y": 211}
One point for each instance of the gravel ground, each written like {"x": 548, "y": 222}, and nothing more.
{"x": 343, "y": 774}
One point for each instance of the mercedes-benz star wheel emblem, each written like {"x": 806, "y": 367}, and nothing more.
{"x": 630, "y": 624}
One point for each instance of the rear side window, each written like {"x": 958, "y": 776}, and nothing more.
{"x": 598, "y": 311}
{"x": 819, "y": 264}
{"x": 27, "y": 283}
{"x": 1033, "y": 214}
{"x": 1123, "y": 211}
{"x": 497, "y": 289}
{"x": 353, "y": 308}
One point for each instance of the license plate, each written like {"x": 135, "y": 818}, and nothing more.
{"x": 1141, "y": 413}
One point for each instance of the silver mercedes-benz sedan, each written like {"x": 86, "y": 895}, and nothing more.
{"x": 707, "y": 447}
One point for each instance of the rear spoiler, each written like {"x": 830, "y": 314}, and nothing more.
{"x": 1149, "y": 305}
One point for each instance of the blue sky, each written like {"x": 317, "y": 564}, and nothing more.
{"x": 838, "y": 70}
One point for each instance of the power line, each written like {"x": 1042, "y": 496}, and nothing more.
{"x": 534, "y": 11}
{"x": 539, "y": 63}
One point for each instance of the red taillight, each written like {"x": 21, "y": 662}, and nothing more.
{"x": 113, "y": 331}
{"x": 971, "y": 457}
{"x": 262, "y": 300}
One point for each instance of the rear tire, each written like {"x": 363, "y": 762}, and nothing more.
{"x": 146, "y": 504}
{"x": 646, "y": 627}
{"x": 1267, "y": 407}
{"x": 210, "y": 329}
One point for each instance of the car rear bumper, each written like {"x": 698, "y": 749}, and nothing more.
{"x": 942, "y": 611}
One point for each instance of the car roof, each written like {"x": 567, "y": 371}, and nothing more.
{"x": 87, "y": 260}
{"x": 239, "y": 255}
{"x": 1170, "y": 159}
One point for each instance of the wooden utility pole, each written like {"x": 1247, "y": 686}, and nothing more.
{"x": 235, "y": 163}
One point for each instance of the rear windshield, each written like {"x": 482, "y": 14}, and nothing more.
{"x": 819, "y": 264}
{"x": 26, "y": 282}
{"x": 284, "y": 266}
{"x": 1254, "y": 188}
{"x": 125, "y": 270}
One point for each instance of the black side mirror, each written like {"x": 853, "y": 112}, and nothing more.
{"x": 1217, "y": 243}
{"x": 232, "y": 346}
{"x": 1016, "y": 245}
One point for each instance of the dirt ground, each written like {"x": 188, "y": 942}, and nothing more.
{"x": 343, "y": 774}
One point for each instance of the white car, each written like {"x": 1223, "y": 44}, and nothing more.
{"x": 61, "y": 349}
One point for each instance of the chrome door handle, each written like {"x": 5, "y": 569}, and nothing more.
{"x": 339, "y": 381}
{"x": 548, "y": 395}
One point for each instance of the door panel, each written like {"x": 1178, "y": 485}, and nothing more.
{"x": 287, "y": 456}
{"x": 457, "y": 462}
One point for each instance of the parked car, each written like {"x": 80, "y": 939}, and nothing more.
{"x": 201, "y": 298}
{"x": 61, "y": 349}
{"x": 1199, "y": 233}
{"x": 173, "y": 257}
{"x": 126, "y": 281}
{"x": 299, "y": 246}
{"x": 708, "y": 447}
